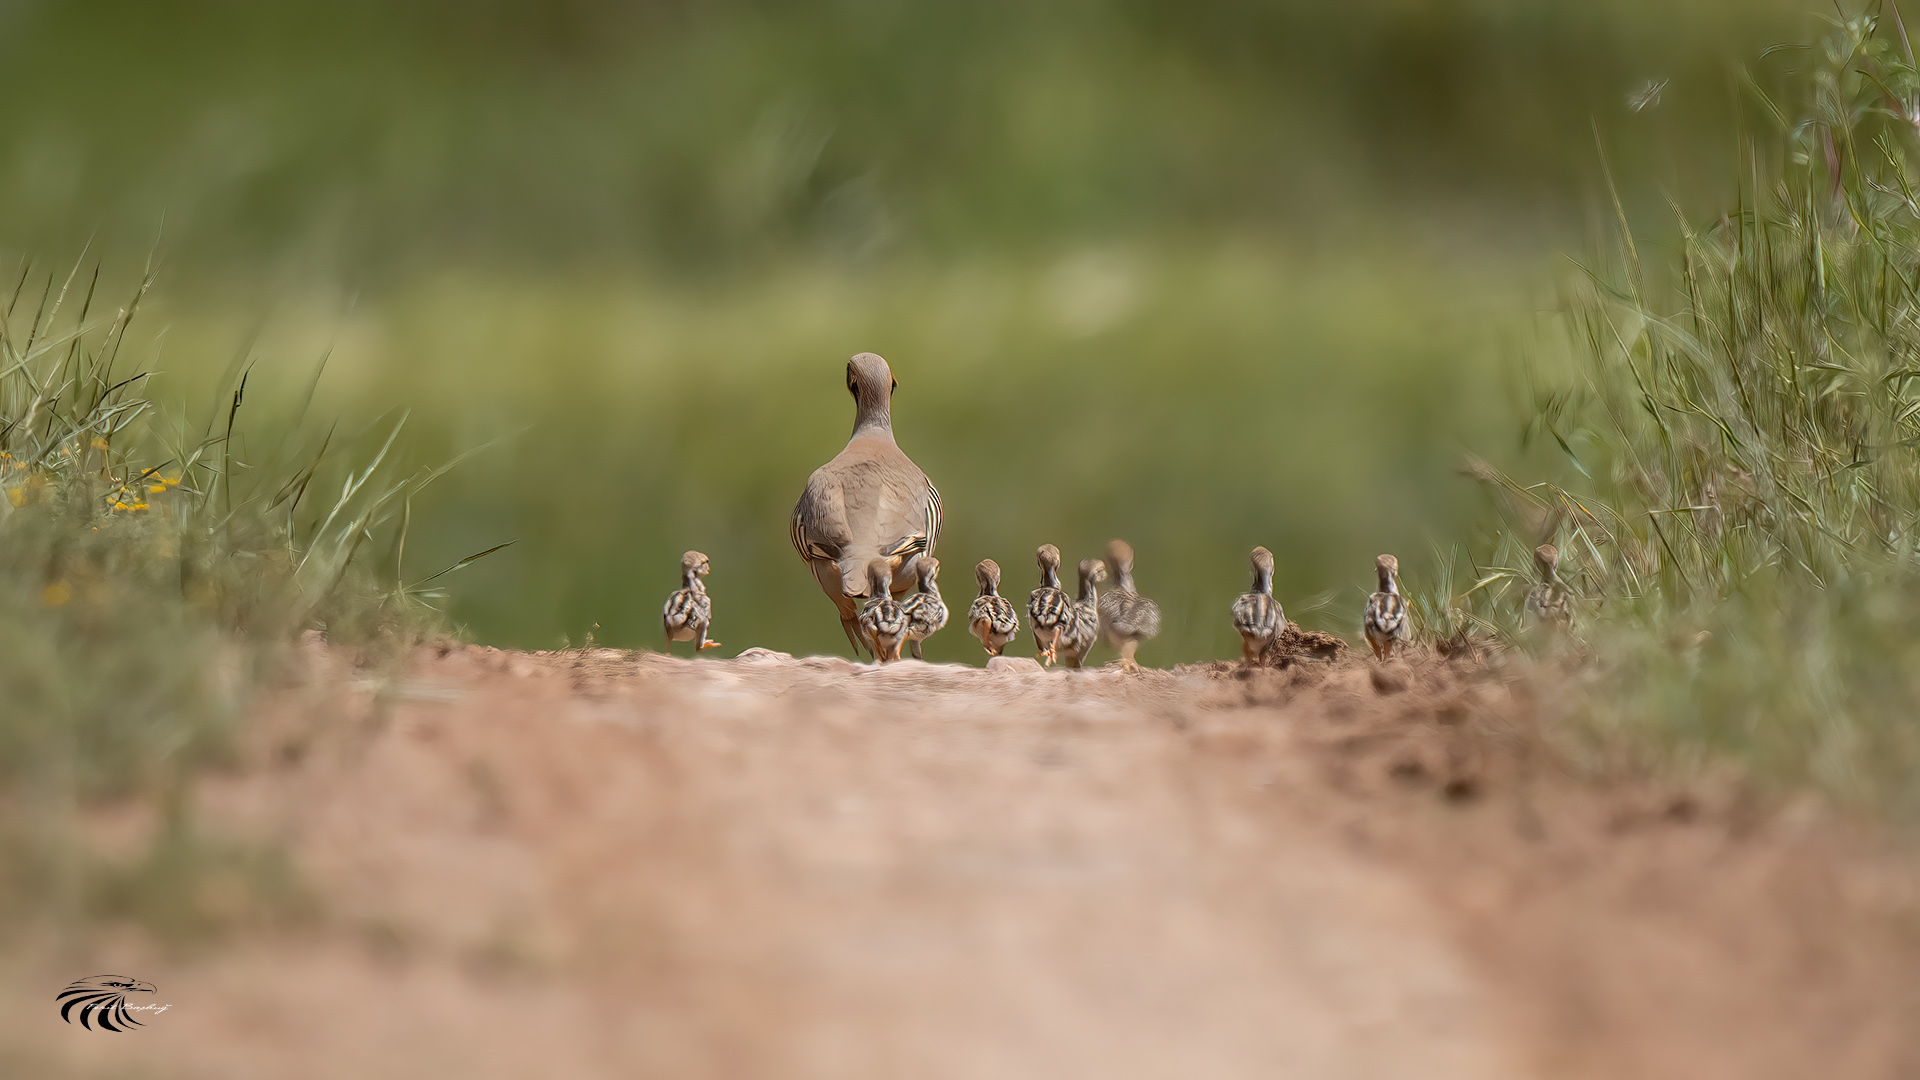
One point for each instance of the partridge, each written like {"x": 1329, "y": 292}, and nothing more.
{"x": 1550, "y": 603}
{"x": 991, "y": 617}
{"x": 882, "y": 621}
{"x": 1385, "y": 621}
{"x": 1084, "y": 629}
{"x": 688, "y": 610}
{"x": 926, "y": 612}
{"x": 1049, "y": 610}
{"x": 870, "y": 502}
{"x": 1126, "y": 617}
{"x": 1257, "y": 615}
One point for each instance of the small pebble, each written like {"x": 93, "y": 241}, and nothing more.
{"x": 757, "y": 655}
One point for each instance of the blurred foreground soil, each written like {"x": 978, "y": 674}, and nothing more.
{"x": 599, "y": 864}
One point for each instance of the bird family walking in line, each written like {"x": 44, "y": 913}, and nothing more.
{"x": 868, "y": 521}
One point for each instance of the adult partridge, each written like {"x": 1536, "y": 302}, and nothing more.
{"x": 870, "y": 502}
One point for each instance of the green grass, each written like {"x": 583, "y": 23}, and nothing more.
{"x": 1737, "y": 419}
{"x": 153, "y": 569}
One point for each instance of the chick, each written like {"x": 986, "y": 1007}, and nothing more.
{"x": 1126, "y": 617}
{"x": 1049, "y": 610}
{"x": 991, "y": 618}
{"x": 688, "y": 610}
{"x": 1257, "y": 614}
{"x": 1084, "y": 627}
{"x": 926, "y": 612}
{"x": 1550, "y": 603}
{"x": 1385, "y": 622}
{"x": 883, "y": 620}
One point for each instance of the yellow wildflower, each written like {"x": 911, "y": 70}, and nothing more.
{"x": 17, "y": 496}
{"x": 99, "y": 443}
{"x": 56, "y": 594}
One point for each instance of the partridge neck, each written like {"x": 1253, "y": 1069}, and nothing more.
{"x": 1263, "y": 581}
{"x": 873, "y": 421}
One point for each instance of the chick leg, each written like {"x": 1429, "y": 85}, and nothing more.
{"x": 701, "y": 643}
{"x": 1053, "y": 646}
{"x": 1126, "y": 656}
{"x": 915, "y": 649}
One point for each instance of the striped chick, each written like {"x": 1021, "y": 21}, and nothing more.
{"x": 688, "y": 610}
{"x": 1126, "y": 617}
{"x": 883, "y": 620}
{"x": 1257, "y": 615}
{"x": 1049, "y": 611}
{"x": 926, "y": 612}
{"x": 1385, "y": 622}
{"x": 991, "y": 618}
{"x": 1550, "y": 603}
{"x": 1084, "y": 629}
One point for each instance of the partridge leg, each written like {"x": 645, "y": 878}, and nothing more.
{"x": 701, "y": 642}
{"x": 852, "y": 627}
{"x": 915, "y": 649}
{"x": 1126, "y": 656}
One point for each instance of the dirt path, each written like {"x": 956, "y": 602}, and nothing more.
{"x": 615, "y": 866}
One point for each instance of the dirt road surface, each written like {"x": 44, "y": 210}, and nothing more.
{"x": 598, "y": 864}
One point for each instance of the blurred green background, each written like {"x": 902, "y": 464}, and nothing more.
{"x": 1201, "y": 274}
